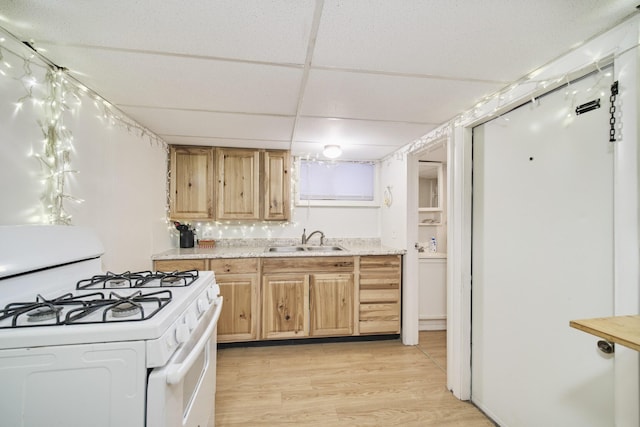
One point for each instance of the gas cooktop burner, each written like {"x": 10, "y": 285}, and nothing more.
{"x": 125, "y": 309}
{"x": 118, "y": 308}
{"x": 42, "y": 314}
{"x": 111, "y": 280}
{"x": 45, "y": 310}
{"x": 168, "y": 279}
{"x": 95, "y": 307}
{"x": 141, "y": 279}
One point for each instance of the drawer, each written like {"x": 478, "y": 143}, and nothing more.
{"x": 380, "y": 264}
{"x": 180, "y": 264}
{"x": 379, "y": 327}
{"x": 233, "y": 265}
{"x": 379, "y": 295}
{"x": 308, "y": 265}
{"x": 381, "y": 311}
{"x": 376, "y": 282}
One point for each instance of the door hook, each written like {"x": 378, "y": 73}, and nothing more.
{"x": 606, "y": 347}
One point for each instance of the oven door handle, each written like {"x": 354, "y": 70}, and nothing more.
{"x": 176, "y": 372}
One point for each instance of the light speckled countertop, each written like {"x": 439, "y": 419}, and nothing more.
{"x": 257, "y": 248}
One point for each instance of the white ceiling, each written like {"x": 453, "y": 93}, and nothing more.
{"x": 370, "y": 75}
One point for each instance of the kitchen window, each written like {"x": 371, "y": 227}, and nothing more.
{"x": 336, "y": 183}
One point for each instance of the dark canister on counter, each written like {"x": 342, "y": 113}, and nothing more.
{"x": 186, "y": 235}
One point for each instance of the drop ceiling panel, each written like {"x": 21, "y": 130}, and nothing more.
{"x": 274, "y": 31}
{"x": 213, "y": 125}
{"x": 358, "y": 132}
{"x": 383, "y": 97}
{"x": 493, "y": 40}
{"x": 230, "y": 72}
{"x": 183, "y": 82}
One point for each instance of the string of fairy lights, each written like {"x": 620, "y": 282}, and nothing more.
{"x": 528, "y": 88}
{"x": 54, "y": 92}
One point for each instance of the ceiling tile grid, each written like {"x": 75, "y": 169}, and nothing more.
{"x": 372, "y": 74}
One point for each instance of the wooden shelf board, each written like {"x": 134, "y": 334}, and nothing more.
{"x": 623, "y": 330}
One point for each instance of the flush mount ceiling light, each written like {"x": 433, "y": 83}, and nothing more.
{"x": 332, "y": 151}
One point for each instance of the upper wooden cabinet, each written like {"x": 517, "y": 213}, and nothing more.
{"x": 249, "y": 184}
{"x": 238, "y": 175}
{"x": 191, "y": 183}
{"x": 276, "y": 179}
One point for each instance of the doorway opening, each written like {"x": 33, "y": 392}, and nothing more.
{"x": 431, "y": 245}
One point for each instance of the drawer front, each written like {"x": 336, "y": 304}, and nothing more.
{"x": 380, "y": 264}
{"x": 380, "y": 327}
{"x": 379, "y": 318}
{"x": 308, "y": 265}
{"x": 379, "y": 295}
{"x": 379, "y": 282}
{"x": 234, "y": 265}
{"x": 180, "y": 264}
{"x": 381, "y": 311}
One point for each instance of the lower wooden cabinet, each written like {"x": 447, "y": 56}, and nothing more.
{"x": 301, "y": 298}
{"x": 307, "y": 305}
{"x": 285, "y": 306}
{"x": 239, "y": 283}
{"x": 380, "y": 280}
{"x": 330, "y": 304}
{"x": 287, "y": 297}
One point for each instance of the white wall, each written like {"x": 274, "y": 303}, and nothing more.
{"x": 122, "y": 180}
{"x": 121, "y": 176}
{"x": 393, "y": 219}
{"x": 399, "y": 230}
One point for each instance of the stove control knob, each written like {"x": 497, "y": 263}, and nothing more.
{"x": 190, "y": 320}
{"x": 182, "y": 333}
{"x": 202, "y": 305}
{"x": 170, "y": 341}
{"x": 211, "y": 294}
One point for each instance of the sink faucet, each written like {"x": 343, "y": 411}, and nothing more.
{"x": 306, "y": 238}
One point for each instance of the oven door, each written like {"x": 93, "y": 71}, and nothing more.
{"x": 182, "y": 393}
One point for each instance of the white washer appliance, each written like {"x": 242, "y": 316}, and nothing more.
{"x": 80, "y": 347}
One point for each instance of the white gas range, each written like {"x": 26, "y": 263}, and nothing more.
{"x": 79, "y": 344}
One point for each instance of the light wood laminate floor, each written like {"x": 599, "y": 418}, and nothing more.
{"x": 375, "y": 383}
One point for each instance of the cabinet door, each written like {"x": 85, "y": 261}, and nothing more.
{"x": 191, "y": 182}
{"x": 276, "y": 181}
{"x": 239, "y": 317}
{"x": 331, "y": 304}
{"x": 238, "y": 184}
{"x": 285, "y": 306}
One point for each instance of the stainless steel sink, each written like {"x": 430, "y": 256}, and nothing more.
{"x": 302, "y": 248}
{"x": 285, "y": 249}
{"x": 324, "y": 248}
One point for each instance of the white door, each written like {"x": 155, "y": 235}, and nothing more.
{"x": 543, "y": 255}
